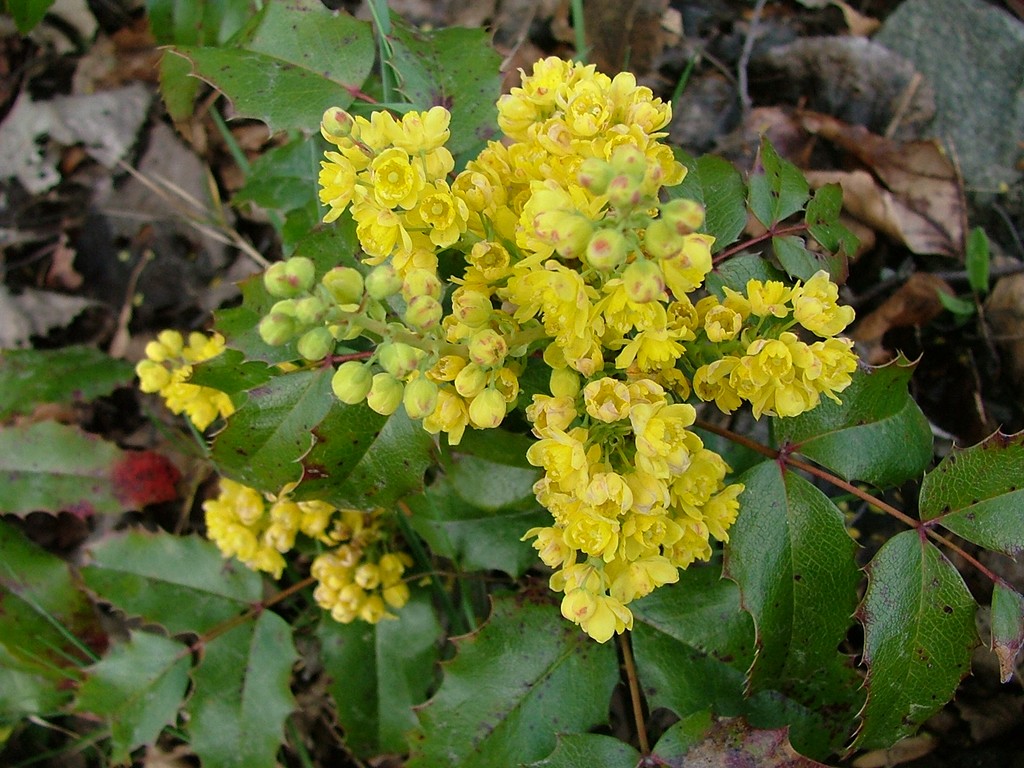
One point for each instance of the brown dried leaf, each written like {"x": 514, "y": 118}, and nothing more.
{"x": 913, "y": 191}
{"x": 1005, "y": 313}
{"x": 734, "y": 743}
{"x": 916, "y": 303}
{"x": 903, "y": 751}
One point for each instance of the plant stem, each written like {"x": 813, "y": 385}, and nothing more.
{"x": 634, "y": 692}
{"x": 794, "y": 229}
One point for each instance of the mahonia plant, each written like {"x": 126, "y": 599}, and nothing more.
{"x": 575, "y": 258}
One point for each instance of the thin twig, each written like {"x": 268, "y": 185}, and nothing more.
{"x": 634, "y": 692}
{"x": 744, "y": 62}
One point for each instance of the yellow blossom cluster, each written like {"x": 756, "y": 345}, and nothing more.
{"x": 356, "y": 578}
{"x": 167, "y": 368}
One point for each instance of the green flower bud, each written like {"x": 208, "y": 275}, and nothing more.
{"x": 487, "y": 410}
{"x": 421, "y": 282}
{"x": 471, "y": 381}
{"x": 336, "y": 124}
{"x": 420, "y": 398}
{"x": 316, "y": 344}
{"x": 624, "y": 192}
{"x": 643, "y": 281}
{"x": 684, "y": 215}
{"x": 383, "y": 281}
{"x": 351, "y": 382}
{"x": 661, "y": 240}
{"x": 310, "y": 310}
{"x": 487, "y": 348}
{"x": 345, "y": 285}
{"x": 277, "y": 328}
{"x": 385, "y": 394}
{"x": 287, "y": 279}
{"x": 423, "y": 313}
{"x": 572, "y": 235}
{"x": 399, "y": 359}
{"x": 594, "y": 174}
{"x": 473, "y": 308}
{"x": 607, "y": 249}
{"x": 629, "y": 161}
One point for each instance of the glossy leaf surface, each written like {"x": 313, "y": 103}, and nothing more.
{"x": 68, "y": 375}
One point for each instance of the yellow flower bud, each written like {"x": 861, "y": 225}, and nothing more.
{"x": 420, "y": 397}
{"x": 470, "y": 381}
{"x": 385, "y": 394}
{"x": 351, "y": 382}
{"x": 487, "y": 348}
{"x": 643, "y": 281}
{"x": 487, "y": 410}
{"x": 316, "y": 344}
{"x": 345, "y": 285}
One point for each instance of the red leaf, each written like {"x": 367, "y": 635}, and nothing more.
{"x": 144, "y": 477}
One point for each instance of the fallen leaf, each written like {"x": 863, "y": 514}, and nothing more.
{"x": 1004, "y": 311}
{"x": 35, "y": 313}
{"x": 903, "y": 751}
{"x": 909, "y": 190}
{"x": 144, "y": 477}
{"x": 916, "y": 303}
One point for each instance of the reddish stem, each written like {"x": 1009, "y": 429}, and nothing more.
{"x": 794, "y": 229}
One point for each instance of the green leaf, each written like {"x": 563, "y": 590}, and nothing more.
{"x": 240, "y": 325}
{"x": 51, "y": 467}
{"x": 284, "y": 179}
{"x": 977, "y": 493}
{"x": 823, "y": 223}
{"x": 142, "y": 574}
{"x": 455, "y": 68}
{"x": 290, "y": 64}
{"x": 794, "y": 257}
{"x": 197, "y": 22}
{"x": 362, "y": 459}
{"x": 496, "y": 445}
{"x": 701, "y": 741}
{"x": 918, "y": 636}
{"x": 230, "y": 372}
{"x": 977, "y": 260}
{"x": 27, "y": 13}
{"x": 778, "y": 189}
{"x": 692, "y": 644}
{"x": 960, "y": 307}
{"x": 735, "y": 273}
{"x": 491, "y": 486}
{"x": 379, "y": 672}
{"x": 242, "y": 695}
{"x": 476, "y": 539}
{"x": 266, "y": 438}
{"x": 137, "y": 689}
{"x": 48, "y": 629}
{"x": 525, "y": 676}
{"x": 878, "y": 434}
{"x": 793, "y": 560}
{"x": 718, "y": 186}
{"x": 577, "y": 749}
{"x": 1007, "y": 628}
{"x": 68, "y": 375}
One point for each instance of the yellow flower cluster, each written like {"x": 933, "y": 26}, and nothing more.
{"x": 167, "y": 368}
{"x": 634, "y": 495}
{"x": 354, "y": 580}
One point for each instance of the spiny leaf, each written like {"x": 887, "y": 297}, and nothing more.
{"x": 794, "y": 562}
{"x": 51, "y": 467}
{"x": 265, "y": 439}
{"x": 289, "y": 64}
{"x": 595, "y": 749}
{"x": 878, "y": 434}
{"x": 1007, "y": 628}
{"x": 918, "y": 636}
{"x": 137, "y": 689}
{"x": 702, "y": 741}
{"x": 242, "y": 695}
{"x": 978, "y": 493}
{"x": 778, "y": 190}
{"x": 192, "y": 22}
{"x": 525, "y": 676}
{"x": 716, "y": 184}
{"x": 48, "y": 629}
{"x": 823, "y": 223}
{"x": 68, "y": 375}
{"x": 794, "y": 257}
{"x": 379, "y": 672}
{"x": 182, "y": 583}
{"x": 735, "y": 273}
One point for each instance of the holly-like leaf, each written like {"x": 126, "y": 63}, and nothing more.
{"x": 230, "y": 372}
{"x": 576, "y": 749}
{"x": 1007, "y": 628}
{"x": 266, "y": 438}
{"x": 289, "y": 64}
{"x": 794, "y": 562}
{"x": 182, "y": 583}
{"x": 525, "y": 676}
{"x": 137, "y": 689}
{"x": 778, "y": 189}
{"x": 48, "y": 629}
{"x": 978, "y": 493}
{"x": 379, "y": 672}
{"x": 456, "y": 68}
{"x": 197, "y": 22}
{"x": 735, "y": 273}
{"x": 878, "y": 434}
{"x": 491, "y": 486}
{"x": 716, "y": 184}
{"x": 68, "y": 375}
{"x": 51, "y": 467}
{"x": 822, "y": 218}
{"x": 794, "y": 257}
{"x": 242, "y": 695}
{"x": 703, "y": 741}
{"x": 918, "y": 636}
{"x": 361, "y": 459}
{"x": 475, "y": 538}
{"x": 692, "y": 644}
